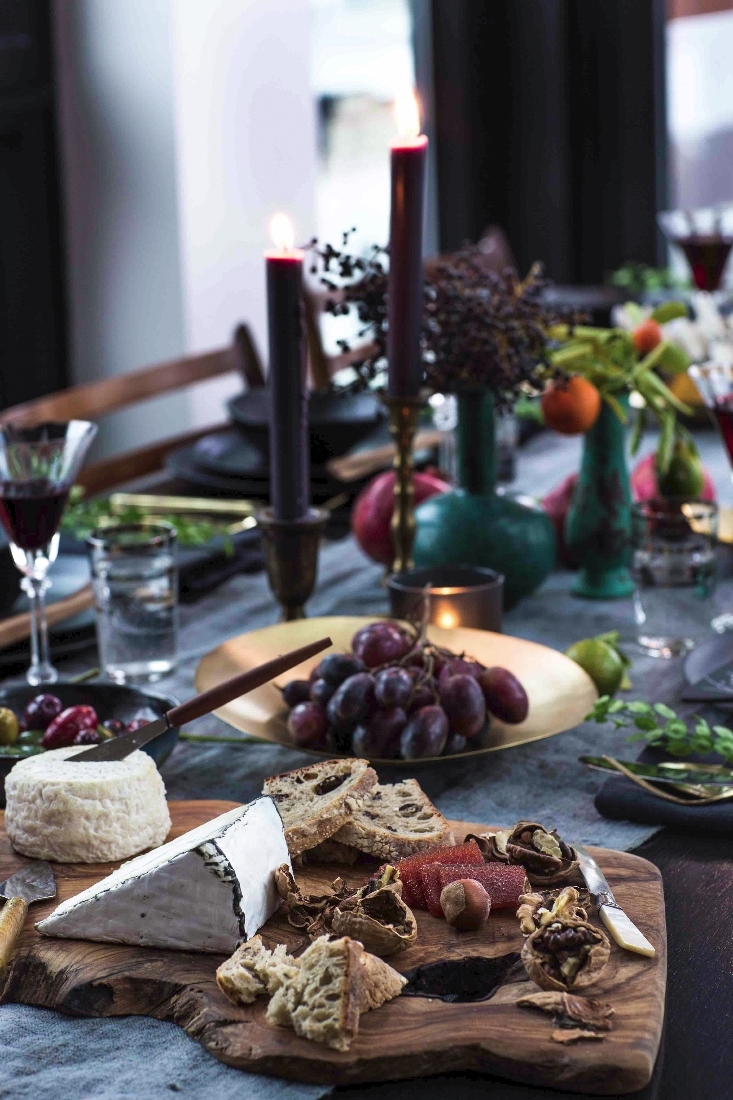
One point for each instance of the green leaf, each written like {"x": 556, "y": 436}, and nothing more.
{"x": 637, "y": 707}
{"x": 663, "y": 710}
{"x": 645, "y": 722}
{"x": 665, "y": 446}
{"x": 615, "y": 406}
{"x": 674, "y": 359}
{"x": 637, "y": 430}
{"x": 724, "y": 732}
{"x": 667, "y": 311}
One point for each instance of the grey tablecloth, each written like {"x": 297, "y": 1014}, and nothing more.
{"x": 47, "y": 1056}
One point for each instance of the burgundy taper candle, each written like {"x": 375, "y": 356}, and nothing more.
{"x": 409, "y": 156}
{"x": 289, "y": 450}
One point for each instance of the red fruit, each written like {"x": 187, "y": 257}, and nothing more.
{"x": 458, "y": 666}
{"x": 646, "y": 336}
{"x": 64, "y": 728}
{"x": 463, "y": 701}
{"x": 557, "y": 505}
{"x": 460, "y": 854}
{"x": 373, "y": 507}
{"x": 381, "y": 643}
{"x": 505, "y": 695}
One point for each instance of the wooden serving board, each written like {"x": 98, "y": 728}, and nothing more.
{"x": 409, "y": 1037}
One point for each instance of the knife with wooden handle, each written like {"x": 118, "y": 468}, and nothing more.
{"x": 623, "y": 930}
{"x": 117, "y": 748}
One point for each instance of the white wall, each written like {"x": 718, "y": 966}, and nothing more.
{"x": 185, "y": 124}
{"x": 246, "y": 148}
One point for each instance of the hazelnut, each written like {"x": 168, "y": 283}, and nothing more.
{"x": 466, "y": 904}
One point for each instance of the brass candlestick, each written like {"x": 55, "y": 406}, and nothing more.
{"x": 291, "y": 558}
{"x": 404, "y": 413}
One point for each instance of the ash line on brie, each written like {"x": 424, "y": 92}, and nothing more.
{"x": 205, "y": 891}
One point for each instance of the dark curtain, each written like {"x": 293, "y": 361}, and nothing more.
{"x": 32, "y": 313}
{"x": 549, "y": 119}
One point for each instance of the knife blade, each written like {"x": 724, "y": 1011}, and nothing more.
{"x": 33, "y": 882}
{"x": 672, "y": 772}
{"x": 117, "y": 748}
{"x": 621, "y": 927}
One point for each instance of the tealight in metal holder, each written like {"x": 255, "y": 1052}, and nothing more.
{"x": 404, "y": 414}
{"x": 291, "y": 557}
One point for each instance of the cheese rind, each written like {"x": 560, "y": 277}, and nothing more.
{"x": 205, "y": 891}
{"x": 85, "y": 813}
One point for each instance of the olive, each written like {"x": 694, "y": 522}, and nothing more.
{"x": 8, "y": 727}
{"x": 30, "y": 737}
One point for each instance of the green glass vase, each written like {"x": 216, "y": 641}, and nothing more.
{"x": 598, "y": 524}
{"x": 473, "y": 525}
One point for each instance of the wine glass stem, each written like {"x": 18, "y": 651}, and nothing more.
{"x": 41, "y": 670}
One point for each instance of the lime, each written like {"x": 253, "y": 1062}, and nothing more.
{"x": 603, "y": 663}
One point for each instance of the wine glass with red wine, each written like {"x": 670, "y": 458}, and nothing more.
{"x": 38, "y": 466}
{"x": 706, "y": 238}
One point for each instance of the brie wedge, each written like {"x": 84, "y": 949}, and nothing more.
{"x": 206, "y": 891}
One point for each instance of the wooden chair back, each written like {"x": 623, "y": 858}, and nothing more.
{"x": 95, "y": 400}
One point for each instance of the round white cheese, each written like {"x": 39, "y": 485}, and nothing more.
{"x": 85, "y": 813}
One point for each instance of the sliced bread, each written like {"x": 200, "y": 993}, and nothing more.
{"x": 314, "y": 802}
{"x": 253, "y": 970}
{"x": 337, "y": 980}
{"x": 396, "y": 821}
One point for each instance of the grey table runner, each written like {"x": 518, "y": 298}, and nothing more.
{"x": 47, "y": 1056}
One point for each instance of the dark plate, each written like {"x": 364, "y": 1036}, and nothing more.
{"x": 109, "y": 701}
{"x": 183, "y": 464}
{"x": 69, "y": 573}
{"x": 337, "y": 420}
{"x": 230, "y": 454}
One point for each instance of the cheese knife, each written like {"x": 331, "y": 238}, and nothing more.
{"x": 33, "y": 882}
{"x": 623, "y": 930}
{"x": 117, "y": 748}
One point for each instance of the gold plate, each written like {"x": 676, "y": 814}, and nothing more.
{"x": 560, "y": 692}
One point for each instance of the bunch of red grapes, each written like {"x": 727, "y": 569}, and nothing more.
{"x": 396, "y": 696}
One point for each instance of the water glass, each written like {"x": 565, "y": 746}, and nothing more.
{"x": 135, "y": 577}
{"x": 674, "y": 567}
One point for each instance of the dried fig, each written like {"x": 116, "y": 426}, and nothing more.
{"x": 566, "y": 954}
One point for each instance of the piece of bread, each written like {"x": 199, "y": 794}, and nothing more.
{"x": 337, "y": 980}
{"x": 253, "y": 970}
{"x": 314, "y": 802}
{"x": 396, "y": 821}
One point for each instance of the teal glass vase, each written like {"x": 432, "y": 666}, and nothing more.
{"x": 598, "y": 524}
{"x": 473, "y": 525}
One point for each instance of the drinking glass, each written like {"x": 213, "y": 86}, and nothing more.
{"x": 705, "y": 236}
{"x": 38, "y": 466}
{"x": 674, "y": 567}
{"x": 135, "y": 578}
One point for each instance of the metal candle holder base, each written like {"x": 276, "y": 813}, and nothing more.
{"x": 404, "y": 413}
{"x": 291, "y": 558}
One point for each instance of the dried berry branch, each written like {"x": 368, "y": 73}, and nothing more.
{"x": 479, "y": 328}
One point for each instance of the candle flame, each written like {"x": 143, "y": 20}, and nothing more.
{"x": 407, "y": 111}
{"x": 283, "y": 234}
{"x": 447, "y": 619}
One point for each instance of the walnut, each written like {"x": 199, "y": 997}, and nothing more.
{"x": 574, "y": 1017}
{"x": 375, "y": 914}
{"x": 546, "y": 857}
{"x": 566, "y": 954}
{"x": 530, "y": 906}
{"x": 380, "y": 921}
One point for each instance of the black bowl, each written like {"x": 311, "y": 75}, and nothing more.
{"x": 109, "y": 701}
{"x": 338, "y": 421}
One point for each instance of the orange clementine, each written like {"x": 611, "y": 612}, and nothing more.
{"x": 646, "y": 336}
{"x": 571, "y": 407}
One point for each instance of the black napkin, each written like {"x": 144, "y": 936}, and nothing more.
{"x": 202, "y": 570}
{"x": 621, "y": 800}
